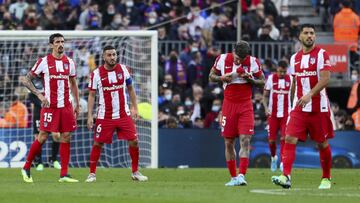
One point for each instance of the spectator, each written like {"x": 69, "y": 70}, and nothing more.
{"x": 273, "y": 32}
{"x": 16, "y": 116}
{"x": 198, "y": 123}
{"x": 194, "y": 71}
{"x": 176, "y": 69}
{"x": 224, "y": 29}
{"x": 211, "y": 118}
{"x": 91, "y": 17}
{"x": 346, "y": 29}
{"x": 18, "y": 9}
{"x": 171, "y": 122}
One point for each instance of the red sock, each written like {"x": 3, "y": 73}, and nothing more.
{"x": 34, "y": 150}
{"x": 231, "y": 164}
{"x": 282, "y": 144}
{"x": 325, "y": 160}
{"x": 94, "y": 157}
{"x": 244, "y": 163}
{"x": 65, "y": 157}
{"x": 288, "y": 157}
{"x": 134, "y": 155}
{"x": 272, "y": 147}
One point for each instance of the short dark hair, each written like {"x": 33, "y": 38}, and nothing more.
{"x": 346, "y": 3}
{"x": 108, "y": 47}
{"x": 307, "y": 25}
{"x": 242, "y": 49}
{"x": 283, "y": 64}
{"x": 53, "y": 36}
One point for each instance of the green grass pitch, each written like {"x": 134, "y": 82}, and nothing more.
{"x": 176, "y": 185}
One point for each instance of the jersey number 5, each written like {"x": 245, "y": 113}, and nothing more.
{"x": 223, "y": 121}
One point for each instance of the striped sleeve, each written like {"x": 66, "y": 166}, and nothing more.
{"x": 72, "y": 68}
{"x": 38, "y": 68}
{"x": 255, "y": 67}
{"x": 323, "y": 61}
{"x": 291, "y": 69}
{"x": 92, "y": 81}
{"x": 268, "y": 84}
{"x": 216, "y": 67}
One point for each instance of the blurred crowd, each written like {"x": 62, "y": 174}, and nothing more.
{"x": 186, "y": 99}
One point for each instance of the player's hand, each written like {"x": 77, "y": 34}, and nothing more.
{"x": 304, "y": 100}
{"x": 267, "y": 112}
{"x": 227, "y": 77}
{"x": 90, "y": 122}
{"x": 77, "y": 111}
{"x": 44, "y": 102}
{"x": 134, "y": 113}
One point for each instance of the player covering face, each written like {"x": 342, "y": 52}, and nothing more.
{"x": 239, "y": 72}
{"x": 113, "y": 115}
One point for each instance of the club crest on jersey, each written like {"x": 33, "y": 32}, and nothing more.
{"x": 287, "y": 84}
{"x": 119, "y": 76}
{"x": 312, "y": 60}
{"x": 66, "y": 66}
{"x": 45, "y": 124}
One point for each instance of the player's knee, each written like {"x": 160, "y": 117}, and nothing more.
{"x": 42, "y": 138}
{"x": 322, "y": 145}
{"x": 134, "y": 143}
{"x": 65, "y": 138}
{"x": 290, "y": 140}
{"x": 98, "y": 144}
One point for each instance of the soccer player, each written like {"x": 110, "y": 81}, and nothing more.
{"x": 310, "y": 113}
{"x": 114, "y": 115}
{"x": 238, "y": 71}
{"x": 57, "y": 72}
{"x": 36, "y": 108}
{"x": 277, "y": 104}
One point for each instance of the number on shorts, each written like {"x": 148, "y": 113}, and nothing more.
{"x": 223, "y": 121}
{"x": 98, "y": 128}
{"x": 48, "y": 117}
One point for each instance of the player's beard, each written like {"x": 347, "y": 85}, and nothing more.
{"x": 111, "y": 63}
{"x": 60, "y": 50}
{"x": 308, "y": 43}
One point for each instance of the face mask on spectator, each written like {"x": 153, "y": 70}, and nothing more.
{"x": 111, "y": 11}
{"x": 129, "y": 3}
{"x": 117, "y": 21}
{"x": 152, "y": 20}
{"x": 168, "y": 97}
{"x": 217, "y": 90}
{"x": 215, "y": 108}
{"x": 194, "y": 49}
{"x": 354, "y": 77}
{"x": 285, "y": 13}
{"x": 188, "y": 103}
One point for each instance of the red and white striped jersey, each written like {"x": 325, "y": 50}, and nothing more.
{"x": 111, "y": 85}
{"x": 279, "y": 99}
{"x": 306, "y": 69}
{"x": 238, "y": 89}
{"x": 55, "y": 75}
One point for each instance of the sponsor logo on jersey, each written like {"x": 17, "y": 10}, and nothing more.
{"x": 281, "y": 91}
{"x": 112, "y": 88}
{"x": 306, "y": 73}
{"x": 59, "y": 77}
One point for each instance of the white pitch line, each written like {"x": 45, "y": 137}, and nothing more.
{"x": 310, "y": 192}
